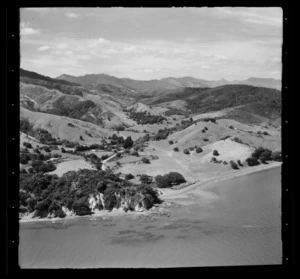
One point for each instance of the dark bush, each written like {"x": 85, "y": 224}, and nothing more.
{"x": 191, "y": 148}
{"x": 27, "y": 144}
{"x": 205, "y": 139}
{"x": 216, "y": 153}
{"x": 170, "y": 142}
{"x": 276, "y": 156}
{"x": 234, "y": 165}
{"x": 129, "y": 176}
{"x": 186, "y": 151}
{"x": 145, "y": 179}
{"x": 240, "y": 163}
{"x": 176, "y": 149}
{"x": 128, "y": 143}
{"x": 168, "y": 180}
{"x": 60, "y": 213}
{"x": 199, "y": 149}
{"x": 252, "y": 161}
{"x": 145, "y": 160}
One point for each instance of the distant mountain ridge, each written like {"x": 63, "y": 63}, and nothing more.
{"x": 169, "y": 83}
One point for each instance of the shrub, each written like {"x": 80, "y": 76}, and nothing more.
{"x": 224, "y": 138}
{"x": 216, "y": 153}
{"x": 252, "y": 161}
{"x": 205, "y": 139}
{"x": 205, "y": 128}
{"x": 186, "y": 151}
{"x": 203, "y": 131}
{"x": 176, "y": 149}
{"x": 60, "y": 213}
{"x": 80, "y": 137}
{"x": 145, "y": 179}
{"x": 129, "y": 176}
{"x": 265, "y": 133}
{"x": 213, "y": 159}
{"x": 276, "y": 156}
{"x": 191, "y": 148}
{"x": 234, "y": 165}
{"x": 199, "y": 149}
{"x": 71, "y": 125}
{"x": 170, "y": 142}
{"x": 135, "y": 153}
{"x": 231, "y": 127}
{"x": 240, "y": 163}
{"x": 81, "y": 207}
{"x": 145, "y": 160}
{"x": 27, "y": 144}
{"x": 265, "y": 156}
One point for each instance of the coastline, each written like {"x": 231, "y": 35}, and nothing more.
{"x": 167, "y": 195}
{"x": 202, "y": 185}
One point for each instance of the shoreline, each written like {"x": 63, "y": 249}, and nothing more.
{"x": 171, "y": 193}
{"x": 165, "y": 194}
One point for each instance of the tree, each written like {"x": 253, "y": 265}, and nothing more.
{"x": 176, "y": 149}
{"x": 234, "y": 165}
{"x": 145, "y": 160}
{"x": 199, "y": 149}
{"x": 216, "y": 153}
{"x": 276, "y": 156}
{"x": 252, "y": 161}
{"x": 168, "y": 180}
{"x": 186, "y": 151}
{"x": 128, "y": 143}
{"x": 265, "y": 156}
{"x": 240, "y": 163}
{"x": 63, "y": 150}
{"x": 129, "y": 176}
{"x": 145, "y": 179}
{"x": 170, "y": 142}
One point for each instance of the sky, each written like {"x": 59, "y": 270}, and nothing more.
{"x": 153, "y": 43}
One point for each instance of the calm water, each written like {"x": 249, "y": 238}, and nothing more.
{"x": 241, "y": 225}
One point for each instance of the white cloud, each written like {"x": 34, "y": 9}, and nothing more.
{"x": 26, "y": 30}
{"x": 71, "y": 15}
{"x": 42, "y": 48}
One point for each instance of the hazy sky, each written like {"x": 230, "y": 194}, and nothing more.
{"x": 140, "y": 43}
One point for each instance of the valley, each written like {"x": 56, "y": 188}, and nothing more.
{"x": 98, "y": 143}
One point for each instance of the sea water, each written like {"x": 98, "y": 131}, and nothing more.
{"x": 240, "y": 226}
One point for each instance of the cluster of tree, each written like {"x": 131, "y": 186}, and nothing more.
{"x": 94, "y": 159}
{"x": 168, "y": 180}
{"x": 215, "y": 160}
{"x": 48, "y": 194}
{"x": 213, "y": 120}
{"x": 145, "y": 117}
{"x": 75, "y": 110}
{"x": 263, "y": 155}
{"x": 36, "y": 155}
{"x": 172, "y": 111}
{"x": 256, "y": 100}
{"x": 146, "y": 179}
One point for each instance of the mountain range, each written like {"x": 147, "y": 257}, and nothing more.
{"x": 158, "y": 85}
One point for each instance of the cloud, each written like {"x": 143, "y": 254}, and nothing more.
{"x": 42, "y": 48}
{"x": 71, "y": 15}
{"x": 25, "y": 30}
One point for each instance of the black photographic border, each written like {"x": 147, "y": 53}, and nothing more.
{"x": 12, "y": 65}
